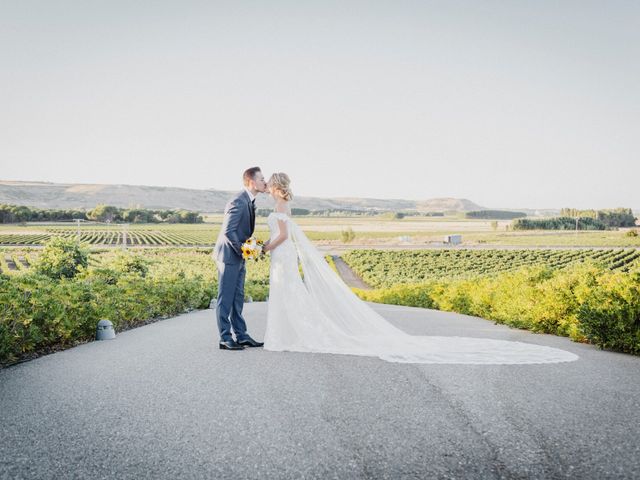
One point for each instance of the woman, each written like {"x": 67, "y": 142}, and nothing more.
{"x": 321, "y": 314}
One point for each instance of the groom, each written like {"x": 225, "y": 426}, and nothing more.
{"x": 237, "y": 226}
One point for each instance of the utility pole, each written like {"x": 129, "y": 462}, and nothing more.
{"x": 78, "y": 220}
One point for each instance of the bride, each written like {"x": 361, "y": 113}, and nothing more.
{"x": 314, "y": 311}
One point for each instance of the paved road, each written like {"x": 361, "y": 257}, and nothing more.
{"x": 349, "y": 276}
{"x": 161, "y": 401}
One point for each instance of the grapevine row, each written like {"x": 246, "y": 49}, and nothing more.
{"x": 385, "y": 268}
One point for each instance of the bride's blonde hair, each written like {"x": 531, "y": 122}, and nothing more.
{"x": 281, "y": 183}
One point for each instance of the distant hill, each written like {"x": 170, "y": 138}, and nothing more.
{"x": 447, "y": 205}
{"x": 70, "y": 195}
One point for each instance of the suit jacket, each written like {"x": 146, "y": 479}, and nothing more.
{"x": 237, "y": 226}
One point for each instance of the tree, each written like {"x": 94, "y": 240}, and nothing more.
{"x": 613, "y": 218}
{"x": 558, "y": 223}
{"x": 104, "y": 213}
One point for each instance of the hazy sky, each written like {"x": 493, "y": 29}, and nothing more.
{"x": 508, "y": 103}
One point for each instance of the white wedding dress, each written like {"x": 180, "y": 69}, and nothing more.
{"x": 320, "y": 313}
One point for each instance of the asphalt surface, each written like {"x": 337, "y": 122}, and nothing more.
{"x": 162, "y": 401}
{"x": 348, "y": 276}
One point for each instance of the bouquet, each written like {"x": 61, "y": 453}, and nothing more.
{"x": 252, "y": 248}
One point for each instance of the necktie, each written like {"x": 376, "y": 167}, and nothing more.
{"x": 253, "y": 214}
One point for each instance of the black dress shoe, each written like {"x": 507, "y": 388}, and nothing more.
{"x": 250, "y": 342}
{"x": 230, "y": 345}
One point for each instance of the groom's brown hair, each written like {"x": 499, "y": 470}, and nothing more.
{"x": 249, "y": 174}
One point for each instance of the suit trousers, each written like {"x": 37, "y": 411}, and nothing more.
{"x": 231, "y": 300}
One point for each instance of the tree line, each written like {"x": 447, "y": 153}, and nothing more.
{"x": 570, "y": 218}
{"x": 336, "y": 212}
{"x": 558, "y": 223}
{"x": 616, "y": 217}
{"x": 101, "y": 213}
{"x": 495, "y": 214}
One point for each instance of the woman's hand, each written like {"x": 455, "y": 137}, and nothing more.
{"x": 275, "y": 242}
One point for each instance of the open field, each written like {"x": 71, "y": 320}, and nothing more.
{"x": 372, "y": 232}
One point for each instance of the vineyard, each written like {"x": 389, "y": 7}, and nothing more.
{"x": 137, "y": 237}
{"x": 16, "y": 261}
{"x": 384, "y": 268}
{"x": 193, "y": 261}
{"x": 410, "y": 232}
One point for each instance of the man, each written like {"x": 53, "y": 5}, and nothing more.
{"x": 238, "y": 225}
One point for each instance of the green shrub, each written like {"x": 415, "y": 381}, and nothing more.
{"x": 585, "y": 302}
{"x": 40, "y": 313}
{"x": 347, "y": 235}
{"x": 413, "y": 295}
{"x": 610, "y": 318}
{"x": 131, "y": 263}
{"x": 62, "y": 258}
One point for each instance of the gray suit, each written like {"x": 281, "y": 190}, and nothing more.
{"x": 237, "y": 226}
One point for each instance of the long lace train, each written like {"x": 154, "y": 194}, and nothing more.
{"x": 319, "y": 313}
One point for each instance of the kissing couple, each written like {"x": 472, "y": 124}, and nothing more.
{"x": 317, "y": 311}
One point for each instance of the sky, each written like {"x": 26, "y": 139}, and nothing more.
{"x": 531, "y": 104}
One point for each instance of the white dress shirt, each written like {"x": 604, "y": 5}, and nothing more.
{"x": 251, "y": 197}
